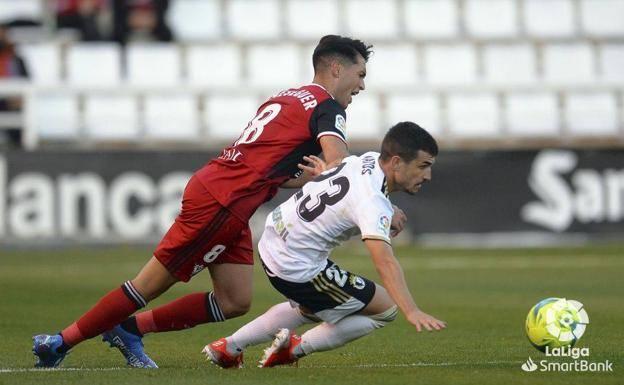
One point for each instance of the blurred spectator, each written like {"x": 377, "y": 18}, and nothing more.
{"x": 140, "y": 20}
{"x": 11, "y": 66}
{"x": 81, "y": 15}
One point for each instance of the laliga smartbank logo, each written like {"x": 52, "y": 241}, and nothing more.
{"x": 554, "y": 326}
{"x": 580, "y": 362}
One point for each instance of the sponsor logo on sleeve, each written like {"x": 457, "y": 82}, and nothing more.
{"x": 384, "y": 225}
{"x": 341, "y": 124}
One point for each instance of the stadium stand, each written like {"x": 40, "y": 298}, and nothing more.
{"x": 485, "y": 70}
{"x": 83, "y": 58}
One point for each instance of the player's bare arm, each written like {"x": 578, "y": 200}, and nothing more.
{"x": 334, "y": 150}
{"x": 393, "y": 279}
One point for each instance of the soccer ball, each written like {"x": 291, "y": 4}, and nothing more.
{"x": 556, "y": 322}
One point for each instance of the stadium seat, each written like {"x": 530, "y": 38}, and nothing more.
{"x": 491, "y": 19}
{"x": 202, "y": 69}
{"x": 509, "y": 64}
{"x": 591, "y": 114}
{"x": 111, "y": 117}
{"x": 368, "y": 19}
{"x": 364, "y": 119}
{"x": 253, "y": 20}
{"x": 602, "y": 17}
{"x": 83, "y": 58}
{"x": 43, "y": 61}
{"x": 323, "y": 12}
{"x": 172, "y": 116}
{"x": 55, "y": 116}
{"x": 473, "y": 115}
{"x": 532, "y": 114}
{"x": 539, "y": 21}
{"x": 612, "y": 62}
{"x": 392, "y": 65}
{"x": 274, "y": 66}
{"x": 227, "y": 116}
{"x": 431, "y": 19}
{"x": 195, "y": 19}
{"x": 423, "y": 109}
{"x": 153, "y": 64}
{"x": 11, "y": 10}
{"x": 450, "y": 64}
{"x": 568, "y": 63}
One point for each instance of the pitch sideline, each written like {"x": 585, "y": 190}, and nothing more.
{"x": 359, "y": 366}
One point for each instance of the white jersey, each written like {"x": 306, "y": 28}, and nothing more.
{"x": 344, "y": 201}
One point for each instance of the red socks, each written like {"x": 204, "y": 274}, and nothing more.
{"x": 183, "y": 313}
{"x": 119, "y": 304}
{"x": 110, "y": 310}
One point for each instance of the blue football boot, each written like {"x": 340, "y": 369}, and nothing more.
{"x": 130, "y": 345}
{"x": 45, "y": 349}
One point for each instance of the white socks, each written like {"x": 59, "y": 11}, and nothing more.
{"x": 263, "y": 328}
{"x": 328, "y": 336}
{"x": 325, "y": 336}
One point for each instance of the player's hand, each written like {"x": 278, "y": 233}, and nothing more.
{"x": 315, "y": 165}
{"x": 398, "y": 221}
{"x": 422, "y": 320}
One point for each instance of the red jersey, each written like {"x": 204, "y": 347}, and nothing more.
{"x": 286, "y": 128}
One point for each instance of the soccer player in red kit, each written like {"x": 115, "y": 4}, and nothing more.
{"x": 212, "y": 228}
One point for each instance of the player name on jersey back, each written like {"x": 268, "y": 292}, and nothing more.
{"x": 306, "y": 98}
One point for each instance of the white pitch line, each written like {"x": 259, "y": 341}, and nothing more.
{"x": 411, "y": 365}
{"x": 358, "y": 366}
{"x": 48, "y": 370}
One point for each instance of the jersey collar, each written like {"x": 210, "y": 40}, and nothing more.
{"x": 323, "y": 88}
{"x": 380, "y": 176}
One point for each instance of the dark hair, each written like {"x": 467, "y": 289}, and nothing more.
{"x": 340, "y": 47}
{"x": 405, "y": 139}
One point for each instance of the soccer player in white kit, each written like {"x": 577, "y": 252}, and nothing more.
{"x": 299, "y": 235}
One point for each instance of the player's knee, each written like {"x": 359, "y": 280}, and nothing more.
{"x": 241, "y": 308}
{"x": 385, "y": 317}
{"x": 234, "y": 306}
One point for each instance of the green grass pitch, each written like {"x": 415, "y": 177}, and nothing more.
{"x": 484, "y": 295}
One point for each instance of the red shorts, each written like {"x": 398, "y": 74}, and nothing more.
{"x": 204, "y": 232}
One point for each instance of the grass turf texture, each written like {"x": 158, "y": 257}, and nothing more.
{"x": 484, "y": 295}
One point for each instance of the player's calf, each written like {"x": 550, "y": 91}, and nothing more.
{"x": 287, "y": 348}
{"x": 232, "y": 284}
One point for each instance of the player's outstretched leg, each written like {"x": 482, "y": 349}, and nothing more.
{"x": 230, "y": 298}
{"x": 227, "y": 352}
{"x": 182, "y": 313}
{"x": 111, "y": 309}
{"x": 287, "y": 348}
